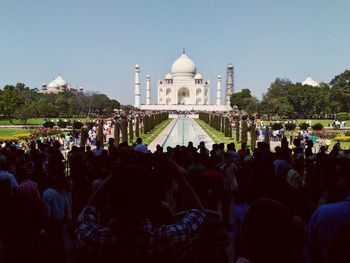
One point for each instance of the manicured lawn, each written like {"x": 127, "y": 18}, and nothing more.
{"x": 151, "y": 135}
{"x": 344, "y": 145}
{"x": 34, "y": 121}
{"x": 11, "y": 132}
{"x": 218, "y": 137}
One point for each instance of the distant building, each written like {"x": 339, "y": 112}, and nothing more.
{"x": 183, "y": 89}
{"x": 60, "y": 85}
{"x": 309, "y": 81}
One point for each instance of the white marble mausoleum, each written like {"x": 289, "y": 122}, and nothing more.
{"x": 183, "y": 89}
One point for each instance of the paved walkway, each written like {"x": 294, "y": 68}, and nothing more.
{"x": 162, "y": 136}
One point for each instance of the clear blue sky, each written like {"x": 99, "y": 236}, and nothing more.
{"x": 95, "y": 44}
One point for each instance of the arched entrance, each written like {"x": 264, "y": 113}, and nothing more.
{"x": 183, "y": 96}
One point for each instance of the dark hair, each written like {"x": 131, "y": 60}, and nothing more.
{"x": 131, "y": 197}
{"x": 267, "y": 232}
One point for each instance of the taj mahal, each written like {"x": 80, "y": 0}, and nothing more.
{"x": 183, "y": 89}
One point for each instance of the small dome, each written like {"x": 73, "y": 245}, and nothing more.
{"x": 309, "y": 81}
{"x": 198, "y": 76}
{"x": 137, "y": 66}
{"x": 219, "y": 77}
{"x": 183, "y": 66}
{"x": 168, "y": 76}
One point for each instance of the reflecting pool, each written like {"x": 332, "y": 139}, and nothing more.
{"x": 183, "y": 132}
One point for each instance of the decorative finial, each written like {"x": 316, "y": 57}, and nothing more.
{"x": 183, "y": 50}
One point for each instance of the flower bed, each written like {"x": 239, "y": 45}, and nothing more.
{"x": 343, "y": 138}
{"x": 14, "y": 138}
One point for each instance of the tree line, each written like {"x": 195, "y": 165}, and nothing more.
{"x": 295, "y": 100}
{"x": 22, "y": 102}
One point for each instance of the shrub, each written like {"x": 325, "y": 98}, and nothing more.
{"x": 347, "y": 133}
{"x": 244, "y": 117}
{"x": 61, "y": 124}
{"x": 48, "y": 124}
{"x": 317, "y": 126}
{"x": 14, "y": 138}
{"x": 304, "y": 126}
{"x": 276, "y": 126}
{"x": 290, "y": 126}
{"x": 343, "y": 116}
{"x": 53, "y": 132}
{"x": 77, "y": 125}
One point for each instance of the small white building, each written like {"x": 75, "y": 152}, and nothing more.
{"x": 309, "y": 81}
{"x": 59, "y": 85}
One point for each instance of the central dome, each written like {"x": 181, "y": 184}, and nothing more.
{"x": 183, "y": 66}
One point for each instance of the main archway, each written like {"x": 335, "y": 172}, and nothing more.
{"x": 183, "y": 96}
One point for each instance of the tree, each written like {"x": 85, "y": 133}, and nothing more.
{"x": 25, "y": 112}
{"x": 131, "y": 132}
{"x": 244, "y": 101}
{"x": 227, "y": 127}
{"x": 137, "y": 127}
{"x": 237, "y": 128}
{"x": 112, "y": 105}
{"x": 267, "y": 136}
{"x": 9, "y": 102}
{"x": 253, "y": 137}
{"x": 340, "y": 92}
{"x": 116, "y": 133}
{"x": 244, "y": 136}
{"x": 99, "y": 103}
{"x": 124, "y": 126}
{"x": 99, "y": 136}
{"x": 275, "y": 100}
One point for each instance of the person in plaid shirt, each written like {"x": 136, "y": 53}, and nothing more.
{"x": 139, "y": 226}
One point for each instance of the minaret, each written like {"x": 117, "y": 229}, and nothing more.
{"x": 218, "y": 91}
{"x": 137, "y": 87}
{"x": 229, "y": 84}
{"x": 148, "y": 90}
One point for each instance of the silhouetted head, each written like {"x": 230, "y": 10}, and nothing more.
{"x": 139, "y": 140}
{"x": 111, "y": 141}
{"x": 267, "y": 232}
{"x": 132, "y": 194}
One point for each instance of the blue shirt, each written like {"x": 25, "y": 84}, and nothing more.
{"x": 141, "y": 148}
{"x": 238, "y": 217}
{"x": 323, "y": 227}
{"x": 5, "y": 175}
{"x": 57, "y": 204}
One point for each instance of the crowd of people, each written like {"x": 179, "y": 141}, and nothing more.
{"x": 180, "y": 204}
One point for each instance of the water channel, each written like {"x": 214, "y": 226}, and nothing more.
{"x": 182, "y": 132}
